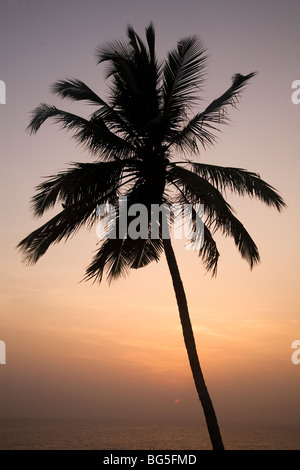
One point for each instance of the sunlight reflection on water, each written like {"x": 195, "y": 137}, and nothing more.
{"x": 56, "y": 435}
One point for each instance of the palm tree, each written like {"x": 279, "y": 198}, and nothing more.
{"x": 134, "y": 136}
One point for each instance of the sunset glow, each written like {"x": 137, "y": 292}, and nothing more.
{"x": 116, "y": 352}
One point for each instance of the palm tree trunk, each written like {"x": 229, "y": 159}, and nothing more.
{"x": 209, "y": 412}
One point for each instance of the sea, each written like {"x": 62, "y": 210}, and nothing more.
{"x": 92, "y": 435}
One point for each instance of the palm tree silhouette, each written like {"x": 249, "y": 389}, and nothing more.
{"x": 134, "y": 137}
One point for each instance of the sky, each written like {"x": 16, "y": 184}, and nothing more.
{"x": 115, "y": 352}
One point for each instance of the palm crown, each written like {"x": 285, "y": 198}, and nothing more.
{"x": 133, "y": 137}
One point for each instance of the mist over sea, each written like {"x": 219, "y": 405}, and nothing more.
{"x": 84, "y": 435}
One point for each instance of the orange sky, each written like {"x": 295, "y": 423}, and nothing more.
{"x": 116, "y": 352}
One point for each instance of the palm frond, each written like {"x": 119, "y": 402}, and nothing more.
{"x": 196, "y": 130}
{"x": 117, "y": 256}
{"x": 76, "y": 90}
{"x": 146, "y": 251}
{"x": 137, "y": 45}
{"x": 197, "y": 189}
{"x": 61, "y": 226}
{"x": 241, "y": 182}
{"x": 209, "y": 252}
{"x": 93, "y": 133}
{"x": 217, "y": 108}
{"x": 230, "y": 226}
{"x": 114, "y": 52}
{"x": 182, "y": 77}
{"x": 116, "y": 123}
{"x": 44, "y": 111}
{"x": 205, "y": 125}
{"x": 219, "y": 214}
{"x": 150, "y": 36}
{"x": 134, "y": 76}
{"x": 83, "y": 182}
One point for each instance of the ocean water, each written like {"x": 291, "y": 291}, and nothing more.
{"x": 62, "y": 435}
